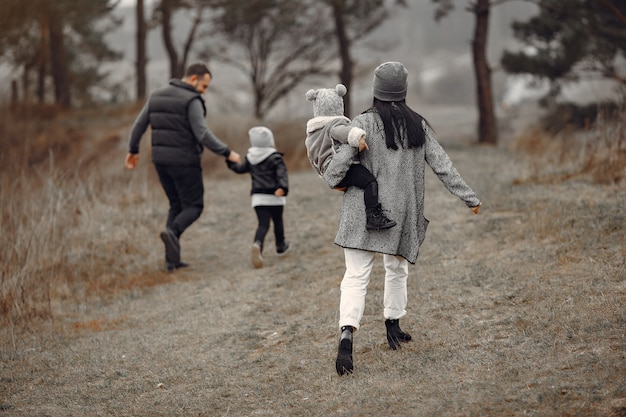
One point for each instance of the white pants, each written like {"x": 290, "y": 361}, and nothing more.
{"x": 359, "y": 265}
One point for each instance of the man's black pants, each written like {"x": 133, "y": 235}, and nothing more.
{"x": 185, "y": 191}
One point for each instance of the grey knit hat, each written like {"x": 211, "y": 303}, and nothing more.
{"x": 327, "y": 101}
{"x": 390, "y": 81}
{"x": 261, "y": 137}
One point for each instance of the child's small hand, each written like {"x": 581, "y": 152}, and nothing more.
{"x": 475, "y": 209}
{"x": 234, "y": 157}
{"x": 279, "y": 193}
{"x": 363, "y": 144}
{"x": 341, "y": 188}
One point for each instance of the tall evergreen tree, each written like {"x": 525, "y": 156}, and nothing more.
{"x": 569, "y": 40}
{"x": 63, "y": 39}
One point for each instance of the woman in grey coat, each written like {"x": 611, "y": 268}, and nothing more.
{"x": 401, "y": 143}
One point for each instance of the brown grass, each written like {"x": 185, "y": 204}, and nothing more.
{"x": 516, "y": 311}
{"x": 597, "y": 153}
{"x": 60, "y": 176}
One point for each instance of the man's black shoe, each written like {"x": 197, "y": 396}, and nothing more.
{"x": 172, "y": 266}
{"x": 172, "y": 246}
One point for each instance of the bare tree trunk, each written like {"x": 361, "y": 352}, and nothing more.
{"x": 259, "y": 114}
{"x": 142, "y": 58}
{"x": 345, "y": 74}
{"x": 14, "y": 94}
{"x": 58, "y": 61}
{"x": 191, "y": 37}
{"x": 487, "y": 130}
{"x": 614, "y": 10}
{"x": 166, "y": 10}
{"x": 25, "y": 84}
{"x": 42, "y": 59}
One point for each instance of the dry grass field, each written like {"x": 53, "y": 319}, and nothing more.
{"x": 519, "y": 311}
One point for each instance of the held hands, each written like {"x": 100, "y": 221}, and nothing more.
{"x": 234, "y": 157}
{"x": 131, "y": 161}
{"x": 363, "y": 144}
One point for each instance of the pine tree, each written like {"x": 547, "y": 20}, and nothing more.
{"x": 63, "y": 40}
{"x": 569, "y": 40}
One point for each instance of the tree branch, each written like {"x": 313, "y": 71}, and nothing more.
{"x": 614, "y": 10}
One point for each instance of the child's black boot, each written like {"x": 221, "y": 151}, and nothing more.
{"x": 377, "y": 220}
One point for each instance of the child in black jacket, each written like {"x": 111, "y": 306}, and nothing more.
{"x": 270, "y": 186}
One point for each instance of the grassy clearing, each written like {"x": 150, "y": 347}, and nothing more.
{"x": 66, "y": 226}
{"x": 517, "y": 311}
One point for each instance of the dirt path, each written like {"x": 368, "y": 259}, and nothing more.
{"x": 510, "y": 321}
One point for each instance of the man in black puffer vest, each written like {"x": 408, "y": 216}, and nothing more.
{"x": 177, "y": 114}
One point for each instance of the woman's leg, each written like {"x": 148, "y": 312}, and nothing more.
{"x": 353, "y": 290}
{"x": 395, "y": 299}
{"x": 395, "y": 295}
{"x": 354, "y": 286}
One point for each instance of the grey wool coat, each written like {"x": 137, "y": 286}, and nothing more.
{"x": 400, "y": 175}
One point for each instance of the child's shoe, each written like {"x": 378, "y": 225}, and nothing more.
{"x": 256, "y": 257}
{"x": 282, "y": 250}
{"x": 377, "y": 220}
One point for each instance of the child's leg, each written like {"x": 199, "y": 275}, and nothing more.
{"x": 263, "y": 215}
{"x": 361, "y": 177}
{"x": 279, "y": 231}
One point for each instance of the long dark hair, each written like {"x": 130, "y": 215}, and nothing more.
{"x": 397, "y": 117}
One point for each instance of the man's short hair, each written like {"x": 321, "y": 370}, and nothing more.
{"x": 197, "y": 69}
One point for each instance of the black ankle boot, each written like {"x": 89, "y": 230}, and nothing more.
{"x": 395, "y": 335}
{"x": 344, "y": 364}
{"x": 377, "y": 220}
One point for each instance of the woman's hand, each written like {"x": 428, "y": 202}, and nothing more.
{"x": 363, "y": 144}
{"x": 475, "y": 209}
